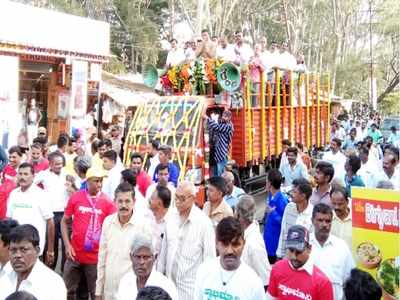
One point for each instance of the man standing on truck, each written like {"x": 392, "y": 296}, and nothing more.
{"x": 223, "y": 132}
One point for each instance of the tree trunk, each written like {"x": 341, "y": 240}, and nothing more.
{"x": 199, "y": 16}
{"x": 392, "y": 85}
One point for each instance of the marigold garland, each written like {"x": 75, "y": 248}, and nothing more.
{"x": 192, "y": 77}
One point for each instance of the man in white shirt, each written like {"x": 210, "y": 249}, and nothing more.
{"x": 233, "y": 192}
{"x": 225, "y": 51}
{"x": 294, "y": 169}
{"x": 29, "y": 204}
{"x": 389, "y": 172}
{"x": 153, "y": 159}
{"x": 338, "y": 132}
{"x": 53, "y": 182}
{"x": 288, "y": 60}
{"x": 6, "y": 226}
{"x": 189, "y": 240}
{"x": 117, "y": 231}
{"x": 113, "y": 178}
{"x": 142, "y": 273}
{"x": 336, "y": 158}
{"x": 163, "y": 176}
{"x": 160, "y": 205}
{"x": 275, "y": 56}
{"x": 242, "y": 50}
{"x": 330, "y": 253}
{"x": 175, "y": 56}
{"x": 254, "y": 252}
{"x": 297, "y": 212}
{"x": 368, "y": 169}
{"x": 375, "y": 152}
{"x": 342, "y": 226}
{"x": 190, "y": 51}
{"x": 266, "y": 56}
{"x": 228, "y": 276}
{"x": 28, "y": 272}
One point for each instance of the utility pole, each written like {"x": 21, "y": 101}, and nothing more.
{"x": 371, "y": 64}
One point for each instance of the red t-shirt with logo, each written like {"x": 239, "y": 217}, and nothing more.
{"x": 80, "y": 209}
{"x": 287, "y": 283}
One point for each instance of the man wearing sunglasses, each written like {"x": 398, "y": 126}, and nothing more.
{"x": 296, "y": 277}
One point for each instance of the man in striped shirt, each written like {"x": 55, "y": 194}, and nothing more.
{"x": 189, "y": 240}
{"x": 223, "y": 131}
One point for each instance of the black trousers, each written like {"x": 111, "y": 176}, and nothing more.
{"x": 57, "y": 238}
{"x": 75, "y": 277}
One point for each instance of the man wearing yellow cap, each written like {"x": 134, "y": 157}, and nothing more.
{"x": 86, "y": 210}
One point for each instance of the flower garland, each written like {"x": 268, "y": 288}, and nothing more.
{"x": 192, "y": 77}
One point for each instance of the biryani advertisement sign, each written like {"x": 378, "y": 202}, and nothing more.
{"x": 376, "y": 239}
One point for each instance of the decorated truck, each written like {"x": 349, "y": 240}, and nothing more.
{"x": 266, "y": 109}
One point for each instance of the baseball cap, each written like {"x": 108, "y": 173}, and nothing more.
{"x": 298, "y": 238}
{"x": 96, "y": 172}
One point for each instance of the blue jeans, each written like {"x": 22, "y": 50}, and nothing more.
{"x": 221, "y": 167}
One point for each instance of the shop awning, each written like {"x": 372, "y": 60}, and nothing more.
{"x": 125, "y": 92}
{"x": 26, "y": 29}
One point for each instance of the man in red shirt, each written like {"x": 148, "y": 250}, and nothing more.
{"x": 297, "y": 277}
{"x": 87, "y": 210}
{"x": 143, "y": 180}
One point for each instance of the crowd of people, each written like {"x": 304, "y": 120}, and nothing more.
{"x": 238, "y": 52}
{"x": 135, "y": 232}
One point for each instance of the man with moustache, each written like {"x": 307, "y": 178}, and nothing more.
{"x": 28, "y": 272}
{"x": 342, "y": 219}
{"x": 29, "y": 204}
{"x": 142, "y": 273}
{"x": 330, "y": 253}
{"x": 297, "y": 274}
{"x": 227, "y": 276}
{"x": 117, "y": 231}
{"x": 86, "y": 210}
{"x": 54, "y": 182}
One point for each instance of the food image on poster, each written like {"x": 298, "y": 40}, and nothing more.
{"x": 368, "y": 255}
{"x": 375, "y": 236}
{"x": 388, "y": 278}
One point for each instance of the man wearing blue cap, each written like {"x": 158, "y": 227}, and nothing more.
{"x": 296, "y": 275}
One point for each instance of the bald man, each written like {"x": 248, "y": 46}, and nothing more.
{"x": 189, "y": 240}
{"x": 233, "y": 192}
